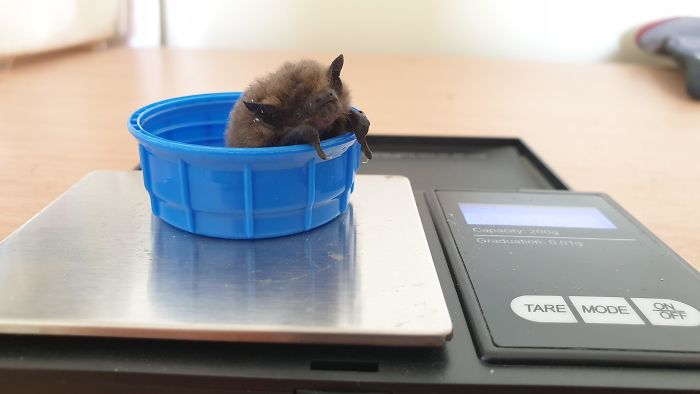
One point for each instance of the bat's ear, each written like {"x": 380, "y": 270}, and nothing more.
{"x": 266, "y": 112}
{"x": 336, "y": 66}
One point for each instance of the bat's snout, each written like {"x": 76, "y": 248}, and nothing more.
{"x": 326, "y": 97}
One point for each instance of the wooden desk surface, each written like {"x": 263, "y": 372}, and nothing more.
{"x": 626, "y": 130}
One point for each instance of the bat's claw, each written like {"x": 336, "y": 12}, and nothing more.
{"x": 319, "y": 150}
{"x": 366, "y": 150}
{"x": 315, "y": 141}
{"x": 360, "y": 125}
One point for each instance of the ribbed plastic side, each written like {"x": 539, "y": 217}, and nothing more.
{"x": 310, "y": 193}
{"x": 248, "y": 198}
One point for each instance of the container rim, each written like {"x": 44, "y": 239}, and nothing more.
{"x": 135, "y": 127}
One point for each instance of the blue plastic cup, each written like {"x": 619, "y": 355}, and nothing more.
{"x": 197, "y": 184}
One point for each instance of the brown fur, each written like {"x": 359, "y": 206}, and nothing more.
{"x": 288, "y": 89}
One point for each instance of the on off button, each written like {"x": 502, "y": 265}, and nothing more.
{"x": 664, "y": 312}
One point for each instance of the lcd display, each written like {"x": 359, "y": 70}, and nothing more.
{"x": 535, "y": 216}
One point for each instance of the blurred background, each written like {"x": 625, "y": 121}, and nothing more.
{"x": 549, "y": 30}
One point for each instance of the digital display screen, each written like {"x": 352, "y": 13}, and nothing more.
{"x": 534, "y": 216}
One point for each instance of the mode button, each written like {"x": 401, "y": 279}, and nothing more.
{"x": 605, "y": 310}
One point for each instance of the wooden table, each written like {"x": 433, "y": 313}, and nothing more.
{"x": 626, "y": 130}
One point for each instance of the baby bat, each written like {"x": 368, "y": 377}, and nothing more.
{"x": 300, "y": 103}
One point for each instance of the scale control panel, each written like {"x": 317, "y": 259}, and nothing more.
{"x": 564, "y": 276}
{"x": 605, "y": 310}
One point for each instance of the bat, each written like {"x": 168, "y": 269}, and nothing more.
{"x": 300, "y": 103}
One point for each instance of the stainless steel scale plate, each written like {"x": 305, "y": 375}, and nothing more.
{"x": 96, "y": 263}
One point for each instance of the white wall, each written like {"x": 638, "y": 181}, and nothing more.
{"x": 31, "y": 26}
{"x": 144, "y": 23}
{"x": 562, "y": 30}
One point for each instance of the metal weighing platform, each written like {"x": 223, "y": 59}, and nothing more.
{"x": 464, "y": 265}
{"x": 97, "y": 263}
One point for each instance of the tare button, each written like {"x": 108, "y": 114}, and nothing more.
{"x": 542, "y": 309}
{"x": 663, "y": 312}
{"x": 605, "y": 310}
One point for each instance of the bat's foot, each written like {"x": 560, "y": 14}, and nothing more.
{"x": 310, "y": 136}
{"x": 304, "y": 134}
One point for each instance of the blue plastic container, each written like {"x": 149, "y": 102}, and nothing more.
{"x": 198, "y": 184}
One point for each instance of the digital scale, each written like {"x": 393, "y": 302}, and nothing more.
{"x": 460, "y": 265}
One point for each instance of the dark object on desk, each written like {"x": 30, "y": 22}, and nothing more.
{"x": 300, "y": 103}
{"x": 680, "y": 39}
